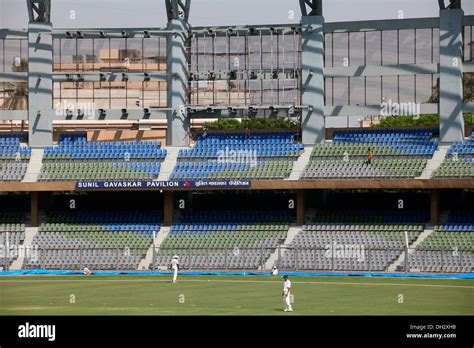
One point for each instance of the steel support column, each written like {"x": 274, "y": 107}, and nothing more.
{"x": 40, "y": 84}
{"x": 312, "y": 89}
{"x": 450, "y": 75}
{"x": 177, "y": 133}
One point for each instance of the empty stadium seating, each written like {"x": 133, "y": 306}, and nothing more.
{"x": 448, "y": 249}
{"x": 107, "y": 241}
{"x": 14, "y": 157}
{"x": 459, "y": 162}
{"x": 223, "y": 240}
{"x": 77, "y": 159}
{"x": 347, "y": 247}
{"x": 241, "y": 155}
{"x": 12, "y": 234}
{"x": 396, "y": 154}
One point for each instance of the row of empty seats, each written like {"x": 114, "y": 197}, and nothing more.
{"x": 12, "y": 235}
{"x": 14, "y": 157}
{"x": 459, "y": 162}
{"x": 396, "y": 154}
{"x": 449, "y": 248}
{"x": 115, "y": 240}
{"x": 240, "y": 155}
{"x": 236, "y": 240}
{"x": 348, "y": 247}
{"x": 75, "y": 158}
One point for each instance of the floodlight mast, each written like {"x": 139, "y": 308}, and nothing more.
{"x": 311, "y": 7}
{"x": 178, "y": 9}
{"x": 39, "y": 10}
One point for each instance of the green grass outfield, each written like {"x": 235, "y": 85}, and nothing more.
{"x": 232, "y": 295}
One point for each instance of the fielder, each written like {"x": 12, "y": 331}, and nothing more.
{"x": 175, "y": 267}
{"x": 286, "y": 294}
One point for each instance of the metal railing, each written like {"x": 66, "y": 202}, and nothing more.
{"x": 343, "y": 259}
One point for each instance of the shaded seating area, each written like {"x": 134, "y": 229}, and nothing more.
{"x": 224, "y": 240}
{"x": 100, "y": 241}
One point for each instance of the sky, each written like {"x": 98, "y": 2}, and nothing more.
{"x": 151, "y": 13}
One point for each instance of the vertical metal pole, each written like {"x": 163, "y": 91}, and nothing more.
{"x": 423, "y": 255}
{"x": 315, "y": 264}
{"x": 261, "y": 67}
{"x": 154, "y": 256}
{"x": 7, "y": 253}
{"x": 261, "y": 258}
{"x": 296, "y": 257}
{"x": 80, "y": 258}
{"x": 283, "y": 65}
{"x": 117, "y": 257}
{"x": 442, "y": 261}
{"x": 225, "y": 258}
{"x": 190, "y": 255}
{"x": 279, "y": 255}
{"x": 332, "y": 256}
{"x": 368, "y": 256}
{"x": 406, "y": 259}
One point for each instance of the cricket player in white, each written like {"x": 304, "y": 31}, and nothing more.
{"x": 175, "y": 267}
{"x": 286, "y": 294}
